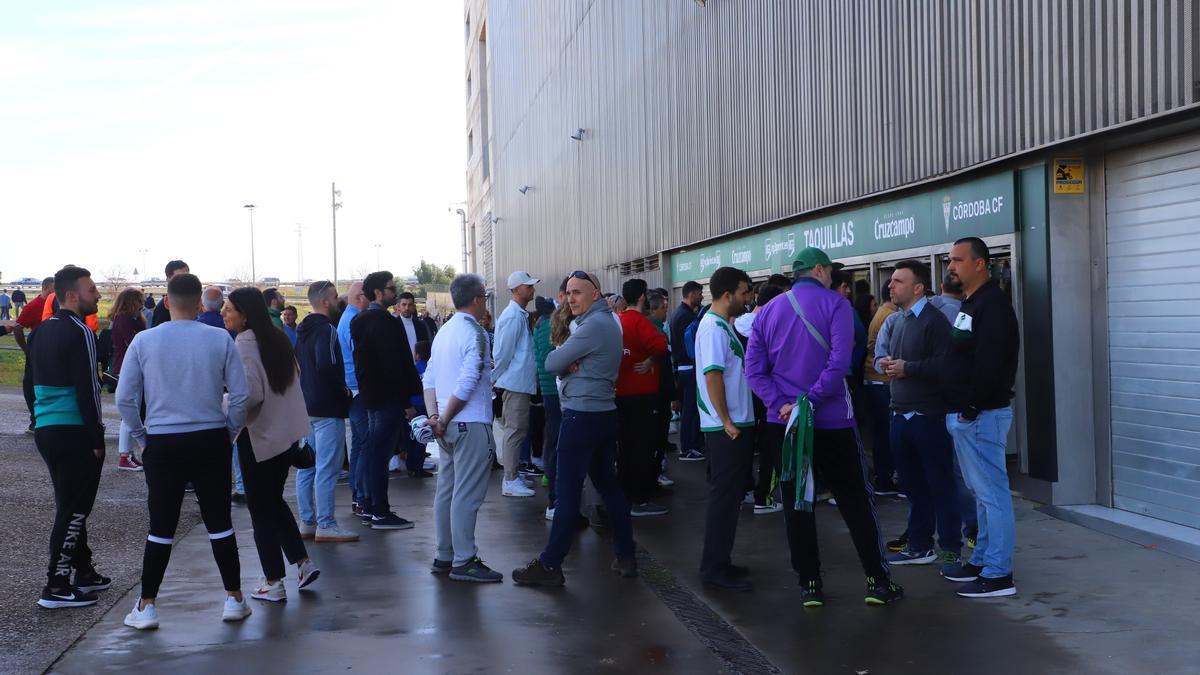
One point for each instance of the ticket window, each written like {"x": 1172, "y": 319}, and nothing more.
{"x": 1000, "y": 266}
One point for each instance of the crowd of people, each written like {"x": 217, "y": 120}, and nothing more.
{"x": 223, "y": 394}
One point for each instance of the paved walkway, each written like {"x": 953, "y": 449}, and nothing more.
{"x": 1087, "y": 603}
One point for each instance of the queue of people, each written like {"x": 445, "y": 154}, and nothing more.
{"x": 585, "y": 386}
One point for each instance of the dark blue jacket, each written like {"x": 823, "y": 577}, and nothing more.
{"x": 322, "y": 370}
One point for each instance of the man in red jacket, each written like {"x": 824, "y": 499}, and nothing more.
{"x": 639, "y": 404}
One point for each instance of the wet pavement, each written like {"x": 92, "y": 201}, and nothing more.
{"x": 1087, "y": 603}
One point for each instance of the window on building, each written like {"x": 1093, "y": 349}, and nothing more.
{"x": 470, "y": 143}
{"x": 467, "y": 27}
{"x": 468, "y": 86}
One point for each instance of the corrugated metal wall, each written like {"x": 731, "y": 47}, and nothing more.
{"x": 701, "y": 121}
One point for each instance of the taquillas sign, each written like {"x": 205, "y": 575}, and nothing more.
{"x": 981, "y": 207}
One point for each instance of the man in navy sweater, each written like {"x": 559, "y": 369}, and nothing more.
{"x": 322, "y": 378}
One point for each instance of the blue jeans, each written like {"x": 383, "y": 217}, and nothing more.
{"x": 359, "y": 430}
{"x": 587, "y": 446}
{"x": 328, "y": 439}
{"x": 879, "y": 404}
{"x": 924, "y": 455}
{"x": 980, "y": 449}
{"x": 966, "y": 502}
{"x": 238, "y": 486}
{"x": 550, "y": 442}
{"x": 383, "y": 433}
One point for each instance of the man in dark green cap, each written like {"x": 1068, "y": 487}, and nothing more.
{"x": 799, "y": 353}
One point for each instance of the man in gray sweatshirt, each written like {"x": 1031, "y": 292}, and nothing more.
{"x": 182, "y": 369}
{"x": 587, "y": 442}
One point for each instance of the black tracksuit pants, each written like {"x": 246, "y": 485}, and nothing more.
{"x": 275, "y": 531}
{"x": 839, "y": 467}
{"x": 75, "y": 474}
{"x": 728, "y": 463}
{"x": 171, "y": 461}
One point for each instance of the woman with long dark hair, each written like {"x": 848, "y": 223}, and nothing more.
{"x": 125, "y": 321}
{"x": 276, "y": 420}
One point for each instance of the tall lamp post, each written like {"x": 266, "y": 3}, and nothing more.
{"x": 334, "y": 205}
{"x": 253, "y": 271}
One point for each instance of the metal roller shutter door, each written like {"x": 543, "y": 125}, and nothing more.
{"x": 1153, "y": 232}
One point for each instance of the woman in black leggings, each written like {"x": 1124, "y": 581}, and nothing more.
{"x": 276, "y": 419}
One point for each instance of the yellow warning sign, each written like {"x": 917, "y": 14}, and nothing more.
{"x": 1068, "y": 176}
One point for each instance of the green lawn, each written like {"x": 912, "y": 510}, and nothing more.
{"x": 12, "y": 366}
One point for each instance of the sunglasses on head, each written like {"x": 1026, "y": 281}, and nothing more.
{"x": 583, "y": 276}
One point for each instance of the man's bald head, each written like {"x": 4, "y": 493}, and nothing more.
{"x": 214, "y": 297}
{"x": 355, "y": 297}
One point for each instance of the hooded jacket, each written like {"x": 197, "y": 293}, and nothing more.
{"x": 322, "y": 369}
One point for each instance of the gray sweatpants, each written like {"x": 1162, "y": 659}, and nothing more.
{"x": 462, "y": 483}
{"x": 511, "y": 430}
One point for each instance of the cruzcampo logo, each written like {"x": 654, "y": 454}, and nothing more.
{"x": 947, "y": 207}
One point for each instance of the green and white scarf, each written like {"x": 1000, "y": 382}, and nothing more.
{"x": 798, "y": 453}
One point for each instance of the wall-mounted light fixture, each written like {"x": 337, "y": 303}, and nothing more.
{"x": 524, "y": 188}
{"x": 578, "y": 135}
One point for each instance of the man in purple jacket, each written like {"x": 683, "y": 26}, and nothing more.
{"x": 801, "y": 344}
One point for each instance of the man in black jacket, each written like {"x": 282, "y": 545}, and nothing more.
{"x": 416, "y": 331}
{"x": 691, "y": 443}
{"x": 920, "y": 444}
{"x": 323, "y": 380}
{"x": 69, "y": 435}
{"x": 979, "y": 373}
{"x": 161, "y": 313}
{"x": 387, "y": 381}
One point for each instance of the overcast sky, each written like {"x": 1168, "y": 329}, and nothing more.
{"x": 134, "y": 124}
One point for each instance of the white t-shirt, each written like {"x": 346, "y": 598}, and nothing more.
{"x": 410, "y": 332}
{"x": 718, "y": 348}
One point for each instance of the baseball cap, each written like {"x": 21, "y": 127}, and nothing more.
{"x": 810, "y": 258}
{"x": 520, "y": 278}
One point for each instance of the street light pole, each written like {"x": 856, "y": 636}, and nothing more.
{"x": 463, "y": 216}
{"x": 334, "y": 206}
{"x": 253, "y": 271}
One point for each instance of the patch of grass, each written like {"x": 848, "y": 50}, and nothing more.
{"x": 12, "y": 366}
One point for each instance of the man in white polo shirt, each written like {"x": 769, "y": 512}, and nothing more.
{"x": 727, "y": 421}
{"x": 458, "y": 396}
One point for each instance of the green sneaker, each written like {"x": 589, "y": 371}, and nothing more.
{"x": 545, "y": 481}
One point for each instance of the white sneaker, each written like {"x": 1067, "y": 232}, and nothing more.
{"x": 234, "y": 610}
{"x": 749, "y": 498}
{"x": 307, "y": 530}
{"x": 334, "y": 534}
{"x": 394, "y": 464}
{"x": 268, "y": 592}
{"x": 308, "y": 573}
{"x": 516, "y": 488}
{"x": 773, "y": 507}
{"x": 664, "y": 480}
{"x": 142, "y": 619}
{"x": 549, "y": 513}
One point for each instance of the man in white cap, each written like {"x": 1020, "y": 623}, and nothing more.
{"x": 515, "y": 375}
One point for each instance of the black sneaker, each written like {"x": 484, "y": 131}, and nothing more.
{"x": 886, "y": 489}
{"x": 727, "y": 582}
{"x": 536, "y": 574}
{"x": 420, "y": 474}
{"x": 625, "y": 567}
{"x": 441, "y": 566}
{"x": 898, "y": 544}
{"x": 883, "y": 592}
{"x": 910, "y": 557}
{"x": 647, "y": 509}
{"x": 66, "y": 597}
{"x": 91, "y": 582}
{"x": 737, "y": 571}
{"x": 475, "y": 571}
{"x": 985, "y": 587}
{"x": 391, "y": 522}
{"x": 965, "y": 572}
{"x": 237, "y": 498}
{"x": 530, "y": 469}
{"x": 811, "y": 594}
